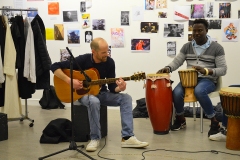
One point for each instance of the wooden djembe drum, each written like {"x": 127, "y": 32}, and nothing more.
{"x": 230, "y": 100}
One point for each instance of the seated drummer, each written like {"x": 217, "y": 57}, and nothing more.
{"x": 222, "y": 134}
{"x": 208, "y": 58}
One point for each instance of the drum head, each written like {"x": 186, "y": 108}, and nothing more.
{"x": 158, "y": 75}
{"x": 187, "y": 70}
{"x": 230, "y": 91}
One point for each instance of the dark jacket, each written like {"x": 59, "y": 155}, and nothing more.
{"x": 43, "y": 61}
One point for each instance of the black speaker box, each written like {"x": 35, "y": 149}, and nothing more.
{"x": 81, "y": 127}
{"x": 3, "y": 127}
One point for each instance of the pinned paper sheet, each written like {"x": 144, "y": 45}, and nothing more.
{"x": 49, "y": 34}
{"x": 181, "y": 12}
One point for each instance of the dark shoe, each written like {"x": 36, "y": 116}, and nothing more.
{"x": 178, "y": 124}
{"x": 214, "y": 128}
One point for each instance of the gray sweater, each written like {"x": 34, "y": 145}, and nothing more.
{"x": 213, "y": 57}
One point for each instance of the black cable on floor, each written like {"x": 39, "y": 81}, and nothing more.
{"x": 102, "y": 149}
{"x": 211, "y": 151}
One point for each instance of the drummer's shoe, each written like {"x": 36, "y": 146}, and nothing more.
{"x": 214, "y": 128}
{"x": 220, "y": 136}
{"x": 133, "y": 142}
{"x": 179, "y": 123}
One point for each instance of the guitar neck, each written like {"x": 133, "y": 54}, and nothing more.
{"x": 107, "y": 81}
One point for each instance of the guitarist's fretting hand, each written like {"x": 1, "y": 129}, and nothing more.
{"x": 121, "y": 85}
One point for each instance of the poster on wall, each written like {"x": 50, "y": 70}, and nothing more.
{"x": 83, "y": 6}
{"x": 171, "y": 48}
{"x": 86, "y": 20}
{"x": 215, "y": 24}
{"x": 58, "y": 32}
{"x": 53, "y": 8}
{"x": 161, "y": 4}
{"x": 109, "y": 51}
{"x": 117, "y": 37}
{"x": 197, "y": 11}
{"x": 137, "y": 14}
{"x": 149, "y": 27}
{"x": 49, "y": 34}
{"x": 73, "y": 36}
{"x": 140, "y": 44}
{"x": 230, "y": 30}
{"x": 181, "y": 12}
{"x": 70, "y": 16}
{"x": 98, "y": 24}
{"x": 224, "y": 10}
{"x": 174, "y": 30}
{"x": 124, "y": 18}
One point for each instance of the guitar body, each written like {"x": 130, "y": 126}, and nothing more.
{"x": 63, "y": 90}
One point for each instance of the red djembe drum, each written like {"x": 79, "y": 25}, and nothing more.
{"x": 230, "y": 100}
{"x": 159, "y": 102}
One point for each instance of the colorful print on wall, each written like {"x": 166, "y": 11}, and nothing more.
{"x": 117, "y": 37}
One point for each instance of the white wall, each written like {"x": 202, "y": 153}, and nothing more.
{"x": 127, "y": 62}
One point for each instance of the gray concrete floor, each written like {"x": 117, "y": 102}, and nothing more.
{"x": 23, "y": 142}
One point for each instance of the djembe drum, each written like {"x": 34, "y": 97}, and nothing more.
{"x": 159, "y": 102}
{"x": 230, "y": 100}
{"x": 188, "y": 79}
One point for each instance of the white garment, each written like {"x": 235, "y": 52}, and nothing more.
{"x": 29, "y": 63}
{"x": 12, "y": 104}
{"x": 2, "y": 78}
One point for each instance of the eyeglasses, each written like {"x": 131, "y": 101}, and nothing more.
{"x": 172, "y": 26}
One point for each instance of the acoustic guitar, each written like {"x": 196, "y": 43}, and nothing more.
{"x": 63, "y": 89}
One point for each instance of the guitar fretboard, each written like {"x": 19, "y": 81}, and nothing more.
{"x": 107, "y": 81}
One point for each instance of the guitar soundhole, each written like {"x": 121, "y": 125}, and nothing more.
{"x": 85, "y": 88}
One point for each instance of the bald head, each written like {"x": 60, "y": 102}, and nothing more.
{"x": 97, "y": 43}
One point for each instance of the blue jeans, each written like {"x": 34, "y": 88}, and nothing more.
{"x": 224, "y": 117}
{"x": 109, "y": 99}
{"x": 201, "y": 91}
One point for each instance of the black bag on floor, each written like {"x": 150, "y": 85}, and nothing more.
{"x": 58, "y": 130}
{"x": 140, "y": 111}
{"x": 50, "y": 100}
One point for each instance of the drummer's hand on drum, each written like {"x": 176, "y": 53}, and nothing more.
{"x": 121, "y": 85}
{"x": 200, "y": 69}
{"x": 164, "y": 70}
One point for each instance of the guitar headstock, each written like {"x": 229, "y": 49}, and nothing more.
{"x": 138, "y": 76}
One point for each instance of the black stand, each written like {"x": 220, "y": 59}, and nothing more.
{"x": 73, "y": 145}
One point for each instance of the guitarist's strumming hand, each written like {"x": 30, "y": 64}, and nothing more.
{"x": 121, "y": 85}
{"x": 77, "y": 84}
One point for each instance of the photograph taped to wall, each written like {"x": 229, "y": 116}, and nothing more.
{"x": 58, "y": 32}
{"x": 53, "y": 8}
{"x": 149, "y": 27}
{"x": 73, "y": 36}
{"x": 83, "y": 6}
{"x": 181, "y": 12}
{"x": 8, "y": 13}
{"x": 140, "y": 44}
{"x": 224, "y": 10}
{"x": 70, "y": 16}
{"x": 190, "y": 25}
{"x": 86, "y": 20}
{"x": 190, "y": 37}
{"x": 109, "y": 51}
{"x": 174, "y": 30}
{"x": 88, "y": 36}
{"x": 230, "y": 30}
{"x": 32, "y": 13}
{"x": 238, "y": 14}
{"x": 149, "y": 4}
{"x": 161, "y": 4}
{"x": 162, "y": 14}
{"x": 98, "y": 24}
{"x": 64, "y": 55}
{"x": 215, "y": 24}
{"x": 197, "y": 11}
{"x": 209, "y": 10}
{"x": 117, "y": 37}
{"x": 171, "y": 48}
{"x": 124, "y": 18}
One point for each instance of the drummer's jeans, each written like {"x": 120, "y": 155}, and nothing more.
{"x": 201, "y": 91}
{"x": 109, "y": 99}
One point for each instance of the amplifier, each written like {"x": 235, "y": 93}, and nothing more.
{"x": 3, "y": 127}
